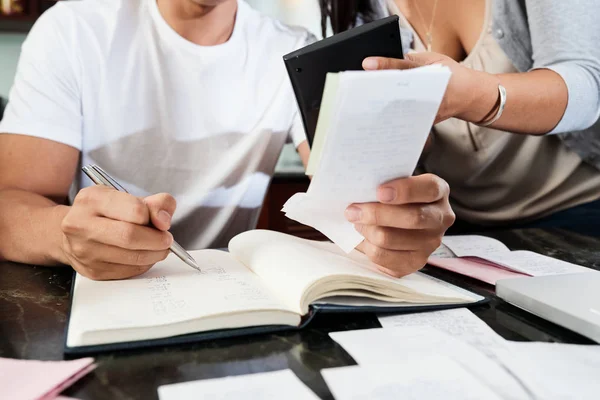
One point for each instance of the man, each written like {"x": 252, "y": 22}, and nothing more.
{"x": 186, "y": 97}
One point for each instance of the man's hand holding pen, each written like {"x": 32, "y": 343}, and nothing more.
{"x": 106, "y": 233}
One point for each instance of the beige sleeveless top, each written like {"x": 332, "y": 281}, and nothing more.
{"x": 496, "y": 176}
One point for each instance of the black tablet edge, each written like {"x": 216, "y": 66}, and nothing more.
{"x": 342, "y": 36}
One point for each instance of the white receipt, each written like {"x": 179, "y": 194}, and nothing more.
{"x": 379, "y": 124}
{"x": 474, "y": 246}
{"x": 459, "y": 323}
{"x": 549, "y": 370}
{"x": 414, "y": 378}
{"x": 443, "y": 252}
{"x": 535, "y": 264}
{"x": 556, "y": 370}
{"x": 268, "y": 385}
{"x": 391, "y": 346}
{"x": 492, "y": 250}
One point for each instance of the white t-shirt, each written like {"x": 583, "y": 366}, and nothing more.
{"x": 159, "y": 113}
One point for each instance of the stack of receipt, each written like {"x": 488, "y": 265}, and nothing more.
{"x": 372, "y": 129}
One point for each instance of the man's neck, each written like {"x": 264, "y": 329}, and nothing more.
{"x": 204, "y": 25}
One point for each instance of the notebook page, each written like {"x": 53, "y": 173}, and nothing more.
{"x": 378, "y": 128}
{"x": 267, "y": 385}
{"x": 170, "y": 293}
{"x": 290, "y": 266}
{"x": 389, "y": 346}
{"x": 414, "y": 378}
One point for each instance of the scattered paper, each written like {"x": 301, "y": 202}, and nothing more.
{"x": 390, "y": 346}
{"x": 547, "y": 370}
{"x": 511, "y": 370}
{"x": 475, "y": 268}
{"x": 40, "y": 380}
{"x": 534, "y": 264}
{"x": 556, "y": 370}
{"x": 474, "y": 246}
{"x": 477, "y": 253}
{"x": 414, "y": 378}
{"x": 378, "y": 126}
{"x": 460, "y": 323}
{"x": 267, "y": 385}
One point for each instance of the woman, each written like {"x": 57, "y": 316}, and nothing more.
{"x": 511, "y": 136}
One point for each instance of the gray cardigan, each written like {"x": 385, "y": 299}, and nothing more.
{"x": 564, "y": 36}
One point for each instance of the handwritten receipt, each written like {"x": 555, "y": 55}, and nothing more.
{"x": 379, "y": 125}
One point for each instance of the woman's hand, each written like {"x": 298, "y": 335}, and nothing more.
{"x": 406, "y": 226}
{"x": 471, "y": 95}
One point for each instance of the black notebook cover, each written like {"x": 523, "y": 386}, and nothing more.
{"x": 308, "y": 67}
{"x": 80, "y": 351}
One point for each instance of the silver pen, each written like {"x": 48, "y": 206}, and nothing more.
{"x": 101, "y": 177}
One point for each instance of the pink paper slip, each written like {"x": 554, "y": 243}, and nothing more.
{"x": 39, "y": 380}
{"x": 474, "y": 268}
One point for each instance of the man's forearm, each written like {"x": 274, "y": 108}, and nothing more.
{"x": 30, "y": 228}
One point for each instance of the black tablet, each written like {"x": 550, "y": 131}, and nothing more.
{"x": 345, "y": 51}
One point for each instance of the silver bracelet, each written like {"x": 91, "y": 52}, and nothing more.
{"x": 502, "y": 91}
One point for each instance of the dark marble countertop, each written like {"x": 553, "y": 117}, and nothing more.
{"x": 34, "y": 304}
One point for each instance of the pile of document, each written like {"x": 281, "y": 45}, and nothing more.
{"x": 448, "y": 355}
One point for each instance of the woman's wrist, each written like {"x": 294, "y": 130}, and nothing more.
{"x": 482, "y": 98}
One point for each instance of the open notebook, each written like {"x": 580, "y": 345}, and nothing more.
{"x": 267, "y": 281}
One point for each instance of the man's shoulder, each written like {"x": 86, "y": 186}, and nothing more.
{"x": 91, "y": 15}
{"x": 94, "y": 8}
{"x": 277, "y": 35}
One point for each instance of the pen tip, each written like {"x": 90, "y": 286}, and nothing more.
{"x": 193, "y": 262}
